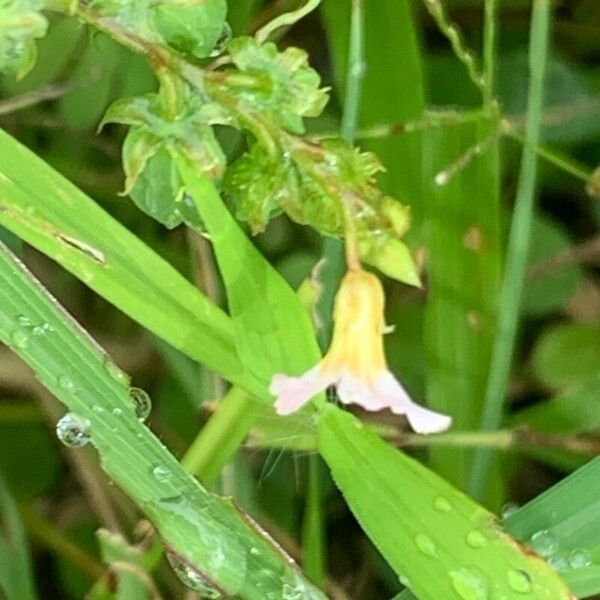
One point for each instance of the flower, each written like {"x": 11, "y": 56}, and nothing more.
{"x": 355, "y": 362}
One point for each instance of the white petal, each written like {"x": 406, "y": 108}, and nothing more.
{"x": 294, "y": 392}
{"x": 421, "y": 419}
{"x": 354, "y": 390}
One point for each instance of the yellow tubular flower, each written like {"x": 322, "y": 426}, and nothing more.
{"x": 355, "y": 362}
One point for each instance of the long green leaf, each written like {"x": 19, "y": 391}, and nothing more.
{"x": 47, "y": 211}
{"x": 517, "y": 246}
{"x": 207, "y": 536}
{"x": 440, "y": 541}
{"x": 464, "y": 249}
{"x": 563, "y": 524}
{"x": 16, "y": 576}
{"x": 273, "y": 331}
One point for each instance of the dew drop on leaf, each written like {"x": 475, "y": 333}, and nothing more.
{"x": 191, "y": 578}
{"x": 19, "y": 339}
{"x": 223, "y": 41}
{"x": 115, "y": 372}
{"x": 476, "y": 539}
{"x": 66, "y": 383}
{"x": 73, "y": 430}
{"x": 426, "y": 545}
{"x": 117, "y": 412}
{"x": 578, "y": 559}
{"x": 544, "y": 543}
{"x": 24, "y": 321}
{"x": 442, "y": 504}
{"x": 161, "y": 473}
{"x": 510, "y": 508}
{"x": 470, "y": 583}
{"x": 519, "y": 581}
{"x": 141, "y": 403}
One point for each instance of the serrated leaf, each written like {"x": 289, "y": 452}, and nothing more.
{"x": 286, "y": 86}
{"x": 151, "y": 178}
{"x": 20, "y": 24}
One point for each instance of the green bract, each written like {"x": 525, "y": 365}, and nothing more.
{"x": 20, "y": 24}
{"x": 282, "y": 84}
{"x": 318, "y": 185}
{"x": 151, "y": 180}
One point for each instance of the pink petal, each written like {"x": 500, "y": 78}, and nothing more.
{"x": 294, "y": 392}
{"x": 421, "y": 419}
{"x": 354, "y": 390}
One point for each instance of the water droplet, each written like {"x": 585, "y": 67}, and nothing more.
{"x": 442, "y": 178}
{"x": 117, "y": 412}
{"x": 141, "y": 403}
{"x": 519, "y": 581}
{"x": 19, "y": 338}
{"x": 115, "y": 372}
{"x": 442, "y": 504}
{"x": 404, "y": 580}
{"x": 558, "y": 563}
{"x": 97, "y": 409}
{"x": 470, "y": 583}
{"x": 254, "y": 551}
{"x": 161, "y": 473}
{"x": 578, "y": 559}
{"x": 476, "y": 539}
{"x": 73, "y": 430}
{"x": 66, "y": 383}
{"x": 510, "y": 508}
{"x": 426, "y": 545}
{"x": 544, "y": 543}
{"x": 42, "y": 329}
{"x": 223, "y": 41}
{"x": 192, "y": 579}
{"x": 24, "y": 321}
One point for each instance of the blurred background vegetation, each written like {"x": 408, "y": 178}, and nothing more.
{"x": 555, "y": 382}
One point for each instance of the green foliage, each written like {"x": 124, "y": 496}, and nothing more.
{"x": 567, "y": 354}
{"x": 156, "y": 132}
{"x": 192, "y": 27}
{"x": 285, "y": 88}
{"x": 16, "y": 576}
{"x": 195, "y": 525}
{"x": 20, "y": 24}
{"x": 439, "y": 542}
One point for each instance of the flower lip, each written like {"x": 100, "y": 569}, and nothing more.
{"x": 355, "y": 362}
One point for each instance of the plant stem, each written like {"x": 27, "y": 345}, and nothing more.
{"x": 518, "y": 246}
{"x": 220, "y": 436}
{"x": 489, "y": 50}
{"x": 333, "y": 251}
{"x": 286, "y": 19}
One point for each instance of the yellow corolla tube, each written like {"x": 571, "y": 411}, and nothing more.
{"x": 355, "y": 362}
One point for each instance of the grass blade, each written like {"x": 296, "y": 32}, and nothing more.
{"x": 563, "y": 523}
{"x": 273, "y": 331}
{"x": 47, "y": 211}
{"x": 16, "y": 576}
{"x": 207, "y": 537}
{"x": 518, "y": 245}
{"x": 437, "y": 538}
{"x": 464, "y": 277}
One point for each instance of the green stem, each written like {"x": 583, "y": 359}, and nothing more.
{"x": 222, "y": 435}
{"x": 489, "y": 50}
{"x": 518, "y": 246}
{"x": 285, "y": 20}
{"x": 333, "y": 250}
